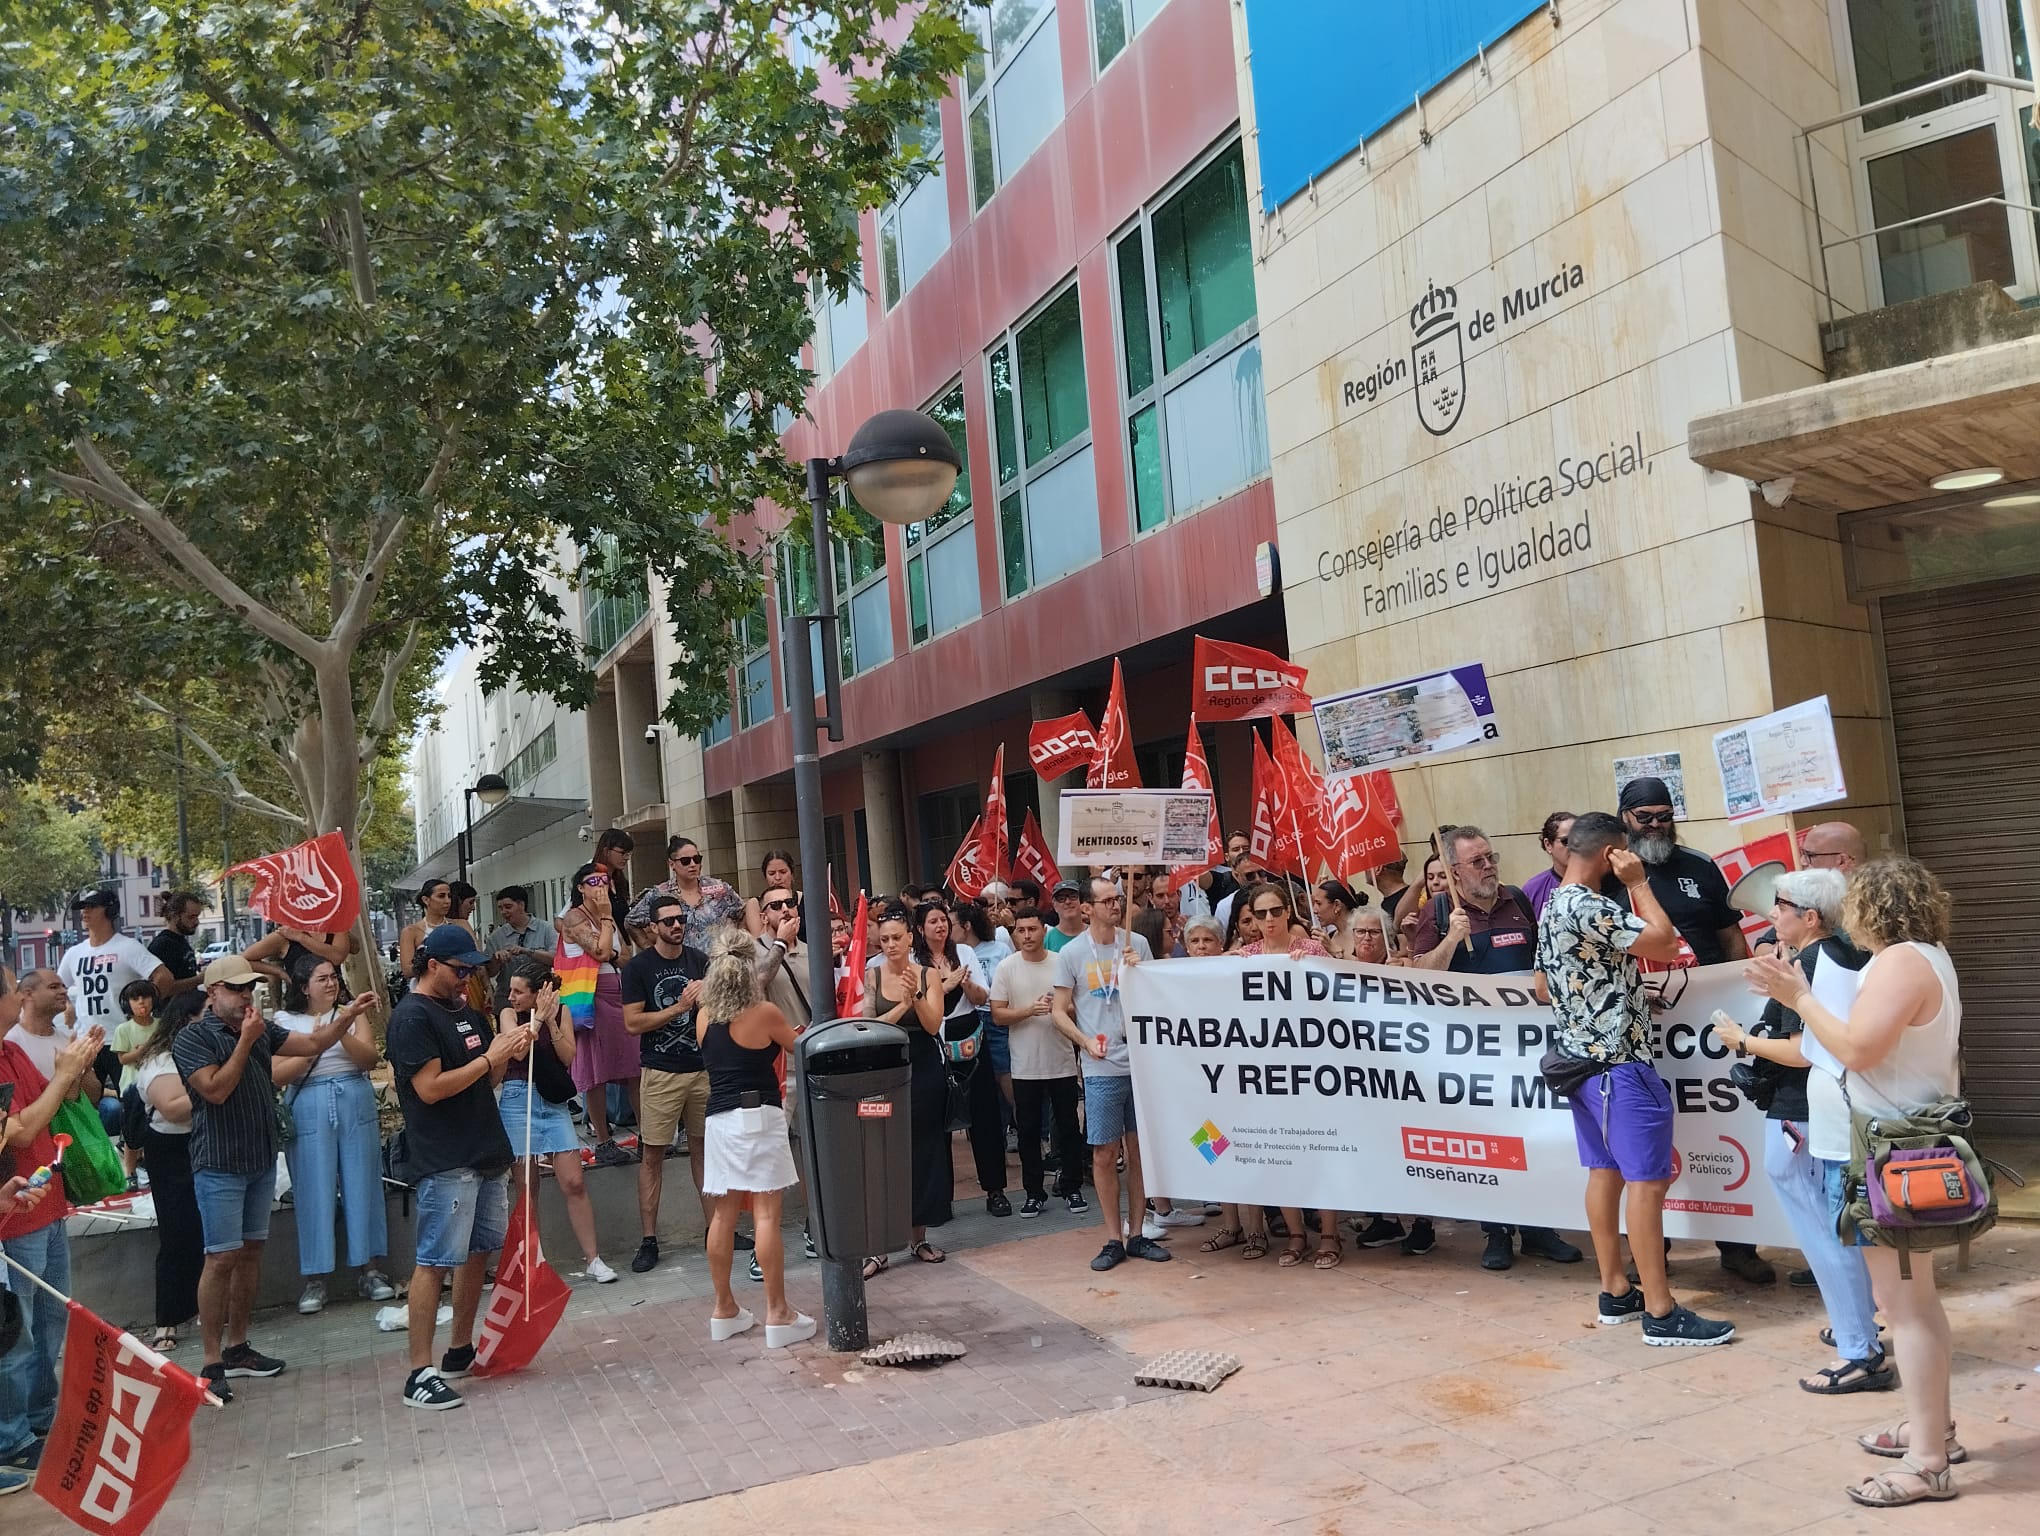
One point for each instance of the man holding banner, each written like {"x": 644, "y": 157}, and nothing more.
{"x": 1587, "y": 953}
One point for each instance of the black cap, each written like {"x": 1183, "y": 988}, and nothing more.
{"x": 1645, "y": 791}
{"x": 453, "y": 944}
{"x": 104, "y": 899}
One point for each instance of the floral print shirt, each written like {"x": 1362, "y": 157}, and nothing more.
{"x": 719, "y": 903}
{"x": 1597, "y": 996}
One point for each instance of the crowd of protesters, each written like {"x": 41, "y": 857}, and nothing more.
{"x": 674, "y": 1011}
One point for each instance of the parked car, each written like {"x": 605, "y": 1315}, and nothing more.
{"x": 214, "y": 951}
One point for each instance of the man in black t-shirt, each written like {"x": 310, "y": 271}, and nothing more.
{"x": 1694, "y": 893}
{"x": 661, "y": 986}
{"x": 447, "y": 1063}
{"x": 172, "y": 946}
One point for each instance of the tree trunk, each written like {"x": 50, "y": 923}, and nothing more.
{"x": 334, "y": 770}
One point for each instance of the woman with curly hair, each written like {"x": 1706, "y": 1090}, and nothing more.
{"x": 747, "y": 1150}
{"x": 1900, "y": 1048}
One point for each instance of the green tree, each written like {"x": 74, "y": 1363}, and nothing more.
{"x": 322, "y": 322}
{"x": 47, "y": 851}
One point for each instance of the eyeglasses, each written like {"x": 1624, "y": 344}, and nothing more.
{"x": 1482, "y": 861}
{"x": 669, "y": 922}
{"x": 1266, "y": 912}
{"x": 1653, "y": 818}
{"x": 780, "y": 906}
{"x": 1813, "y": 853}
{"x": 596, "y": 880}
{"x": 687, "y": 858}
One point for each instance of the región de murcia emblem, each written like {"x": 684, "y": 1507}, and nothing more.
{"x": 1439, "y": 360}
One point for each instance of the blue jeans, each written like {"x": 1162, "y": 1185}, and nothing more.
{"x": 233, "y": 1208}
{"x": 28, "y": 1374}
{"x": 461, "y": 1213}
{"x": 337, "y": 1155}
{"x": 1801, "y": 1180}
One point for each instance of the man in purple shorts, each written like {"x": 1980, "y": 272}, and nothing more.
{"x": 1587, "y": 949}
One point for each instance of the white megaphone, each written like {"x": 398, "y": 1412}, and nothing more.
{"x": 1757, "y": 890}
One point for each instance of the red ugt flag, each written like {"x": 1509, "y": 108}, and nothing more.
{"x": 967, "y": 875}
{"x": 123, "y": 1429}
{"x": 1113, "y": 767}
{"x": 1197, "y": 775}
{"x": 1056, "y": 746}
{"x": 1359, "y": 832}
{"x": 1032, "y": 859}
{"x": 311, "y": 886}
{"x": 991, "y": 853}
{"x": 1305, "y": 792}
{"x": 525, "y": 1304}
{"x": 1241, "y": 682}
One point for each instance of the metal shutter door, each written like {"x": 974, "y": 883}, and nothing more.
{"x": 1964, "y": 671}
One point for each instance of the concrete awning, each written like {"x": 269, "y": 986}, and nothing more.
{"x": 1879, "y": 439}
{"x": 501, "y": 828}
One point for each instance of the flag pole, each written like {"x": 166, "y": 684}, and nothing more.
{"x": 530, "y": 1087}
{"x": 134, "y": 1345}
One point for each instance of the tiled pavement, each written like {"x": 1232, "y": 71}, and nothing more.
{"x": 1391, "y": 1394}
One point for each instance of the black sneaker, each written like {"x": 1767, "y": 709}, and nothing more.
{"x": 26, "y": 1458}
{"x": 1681, "y": 1328}
{"x": 423, "y": 1388}
{"x": 997, "y": 1203}
{"x": 1076, "y": 1204}
{"x": 745, "y": 1243}
{"x": 1032, "y": 1206}
{"x": 1626, "y": 1308}
{"x": 1382, "y": 1232}
{"x": 1744, "y": 1262}
{"x": 647, "y": 1257}
{"x": 757, "y": 1271}
{"x": 1500, "y": 1252}
{"x": 808, "y": 1241}
{"x": 1543, "y": 1243}
{"x": 1421, "y": 1239}
{"x": 456, "y": 1363}
{"x": 246, "y": 1360}
{"x": 1147, "y": 1248}
{"x": 607, "y": 1155}
{"x": 1110, "y": 1256}
{"x": 1801, "y": 1280}
{"x": 215, "y": 1378}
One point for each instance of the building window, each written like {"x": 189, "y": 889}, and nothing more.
{"x": 1114, "y": 22}
{"x": 1041, "y": 422}
{"x": 945, "y": 815}
{"x": 1012, "y": 90}
{"x": 841, "y": 325}
{"x": 915, "y": 230}
{"x": 754, "y": 672}
{"x": 532, "y": 759}
{"x": 942, "y": 574}
{"x": 1190, "y": 346}
{"x": 613, "y": 600}
{"x": 863, "y": 593}
{"x": 717, "y": 732}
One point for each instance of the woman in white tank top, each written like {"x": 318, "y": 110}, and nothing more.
{"x": 1900, "y": 1049}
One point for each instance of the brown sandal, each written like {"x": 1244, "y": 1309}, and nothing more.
{"x": 1292, "y": 1253}
{"x": 1328, "y": 1256}
{"x": 1885, "y": 1491}
{"x": 1892, "y": 1440}
{"x": 1222, "y": 1239}
{"x": 1255, "y": 1247}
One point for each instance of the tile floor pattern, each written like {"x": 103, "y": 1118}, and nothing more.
{"x": 1391, "y": 1394}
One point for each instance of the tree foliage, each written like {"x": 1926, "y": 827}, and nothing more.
{"x": 321, "y": 322}
{"x": 46, "y": 852}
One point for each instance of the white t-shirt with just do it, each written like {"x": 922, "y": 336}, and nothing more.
{"x": 95, "y": 974}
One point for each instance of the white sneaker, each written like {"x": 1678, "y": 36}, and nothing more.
{"x": 1151, "y": 1226}
{"x": 599, "y": 1272}
{"x": 312, "y": 1299}
{"x": 1181, "y": 1216}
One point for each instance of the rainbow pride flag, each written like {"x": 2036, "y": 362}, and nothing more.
{"x": 577, "y": 970}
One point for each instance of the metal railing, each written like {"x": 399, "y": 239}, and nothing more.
{"x": 1981, "y": 77}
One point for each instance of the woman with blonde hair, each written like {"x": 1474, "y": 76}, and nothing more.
{"x": 1899, "y": 1048}
{"x": 747, "y": 1150}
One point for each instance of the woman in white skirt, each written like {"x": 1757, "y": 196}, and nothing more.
{"x": 747, "y": 1151}
{"x": 533, "y": 997}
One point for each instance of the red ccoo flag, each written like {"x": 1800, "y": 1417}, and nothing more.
{"x": 1359, "y": 832}
{"x": 1112, "y": 767}
{"x": 1239, "y": 682}
{"x": 1306, "y": 795}
{"x": 311, "y": 886}
{"x": 1032, "y": 859}
{"x": 122, "y": 1433}
{"x": 850, "y": 990}
{"x": 966, "y": 875}
{"x": 1056, "y": 746}
{"x": 525, "y": 1304}
{"x": 1271, "y": 838}
{"x": 992, "y": 832}
{"x": 1197, "y": 775}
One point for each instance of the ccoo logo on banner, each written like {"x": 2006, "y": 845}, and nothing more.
{"x": 1369, "y": 1088}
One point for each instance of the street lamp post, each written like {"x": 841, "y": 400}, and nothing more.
{"x": 492, "y": 789}
{"x": 901, "y": 467}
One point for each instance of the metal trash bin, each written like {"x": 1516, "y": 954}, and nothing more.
{"x": 856, "y": 1113}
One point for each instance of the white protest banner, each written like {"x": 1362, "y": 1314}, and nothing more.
{"x": 1134, "y": 826}
{"x": 1417, "y": 717}
{"x": 1369, "y": 1088}
{"x": 1783, "y": 761}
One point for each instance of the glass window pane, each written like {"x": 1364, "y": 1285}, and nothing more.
{"x": 871, "y": 625}
{"x": 754, "y": 690}
{"x": 974, "y": 66}
{"x": 1218, "y": 429}
{"x": 1011, "y": 19}
{"x": 917, "y": 599}
{"x": 1949, "y": 252}
{"x": 1002, "y": 414}
{"x": 1899, "y": 44}
{"x": 1133, "y": 314}
{"x": 1013, "y": 544}
{"x": 1144, "y": 11}
{"x": 848, "y": 324}
{"x": 949, "y": 412}
{"x": 1204, "y": 261}
{"x": 1062, "y": 518}
{"x": 1148, "y": 507}
{"x": 1108, "y": 29}
{"x": 923, "y": 228}
{"x": 718, "y": 732}
{"x": 952, "y": 581}
{"x": 984, "y": 175}
{"x": 889, "y": 259}
{"x": 1053, "y": 405}
{"x": 1029, "y": 99}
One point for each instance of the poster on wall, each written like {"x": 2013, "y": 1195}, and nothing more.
{"x": 1655, "y": 765}
{"x": 1418, "y": 717}
{"x": 1134, "y": 826}
{"x": 1783, "y": 761}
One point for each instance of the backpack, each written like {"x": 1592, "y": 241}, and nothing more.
{"x": 1915, "y": 1182}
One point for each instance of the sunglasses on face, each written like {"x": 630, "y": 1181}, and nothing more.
{"x": 245, "y": 988}
{"x": 1265, "y": 913}
{"x": 1653, "y": 818}
{"x": 596, "y": 880}
{"x": 1482, "y": 861}
{"x": 669, "y": 922}
{"x": 779, "y": 906}
{"x": 687, "y": 858}
{"x": 460, "y": 972}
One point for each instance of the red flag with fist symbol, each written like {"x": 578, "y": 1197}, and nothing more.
{"x": 967, "y": 874}
{"x": 122, "y": 1432}
{"x": 311, "y": 886}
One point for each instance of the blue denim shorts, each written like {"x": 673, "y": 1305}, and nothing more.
{"x": 461, "y": 1213}
{"x": 1108, "y": 1110}
{"x": 233, "y": 1208}
{"x": 998, "y": 1045}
